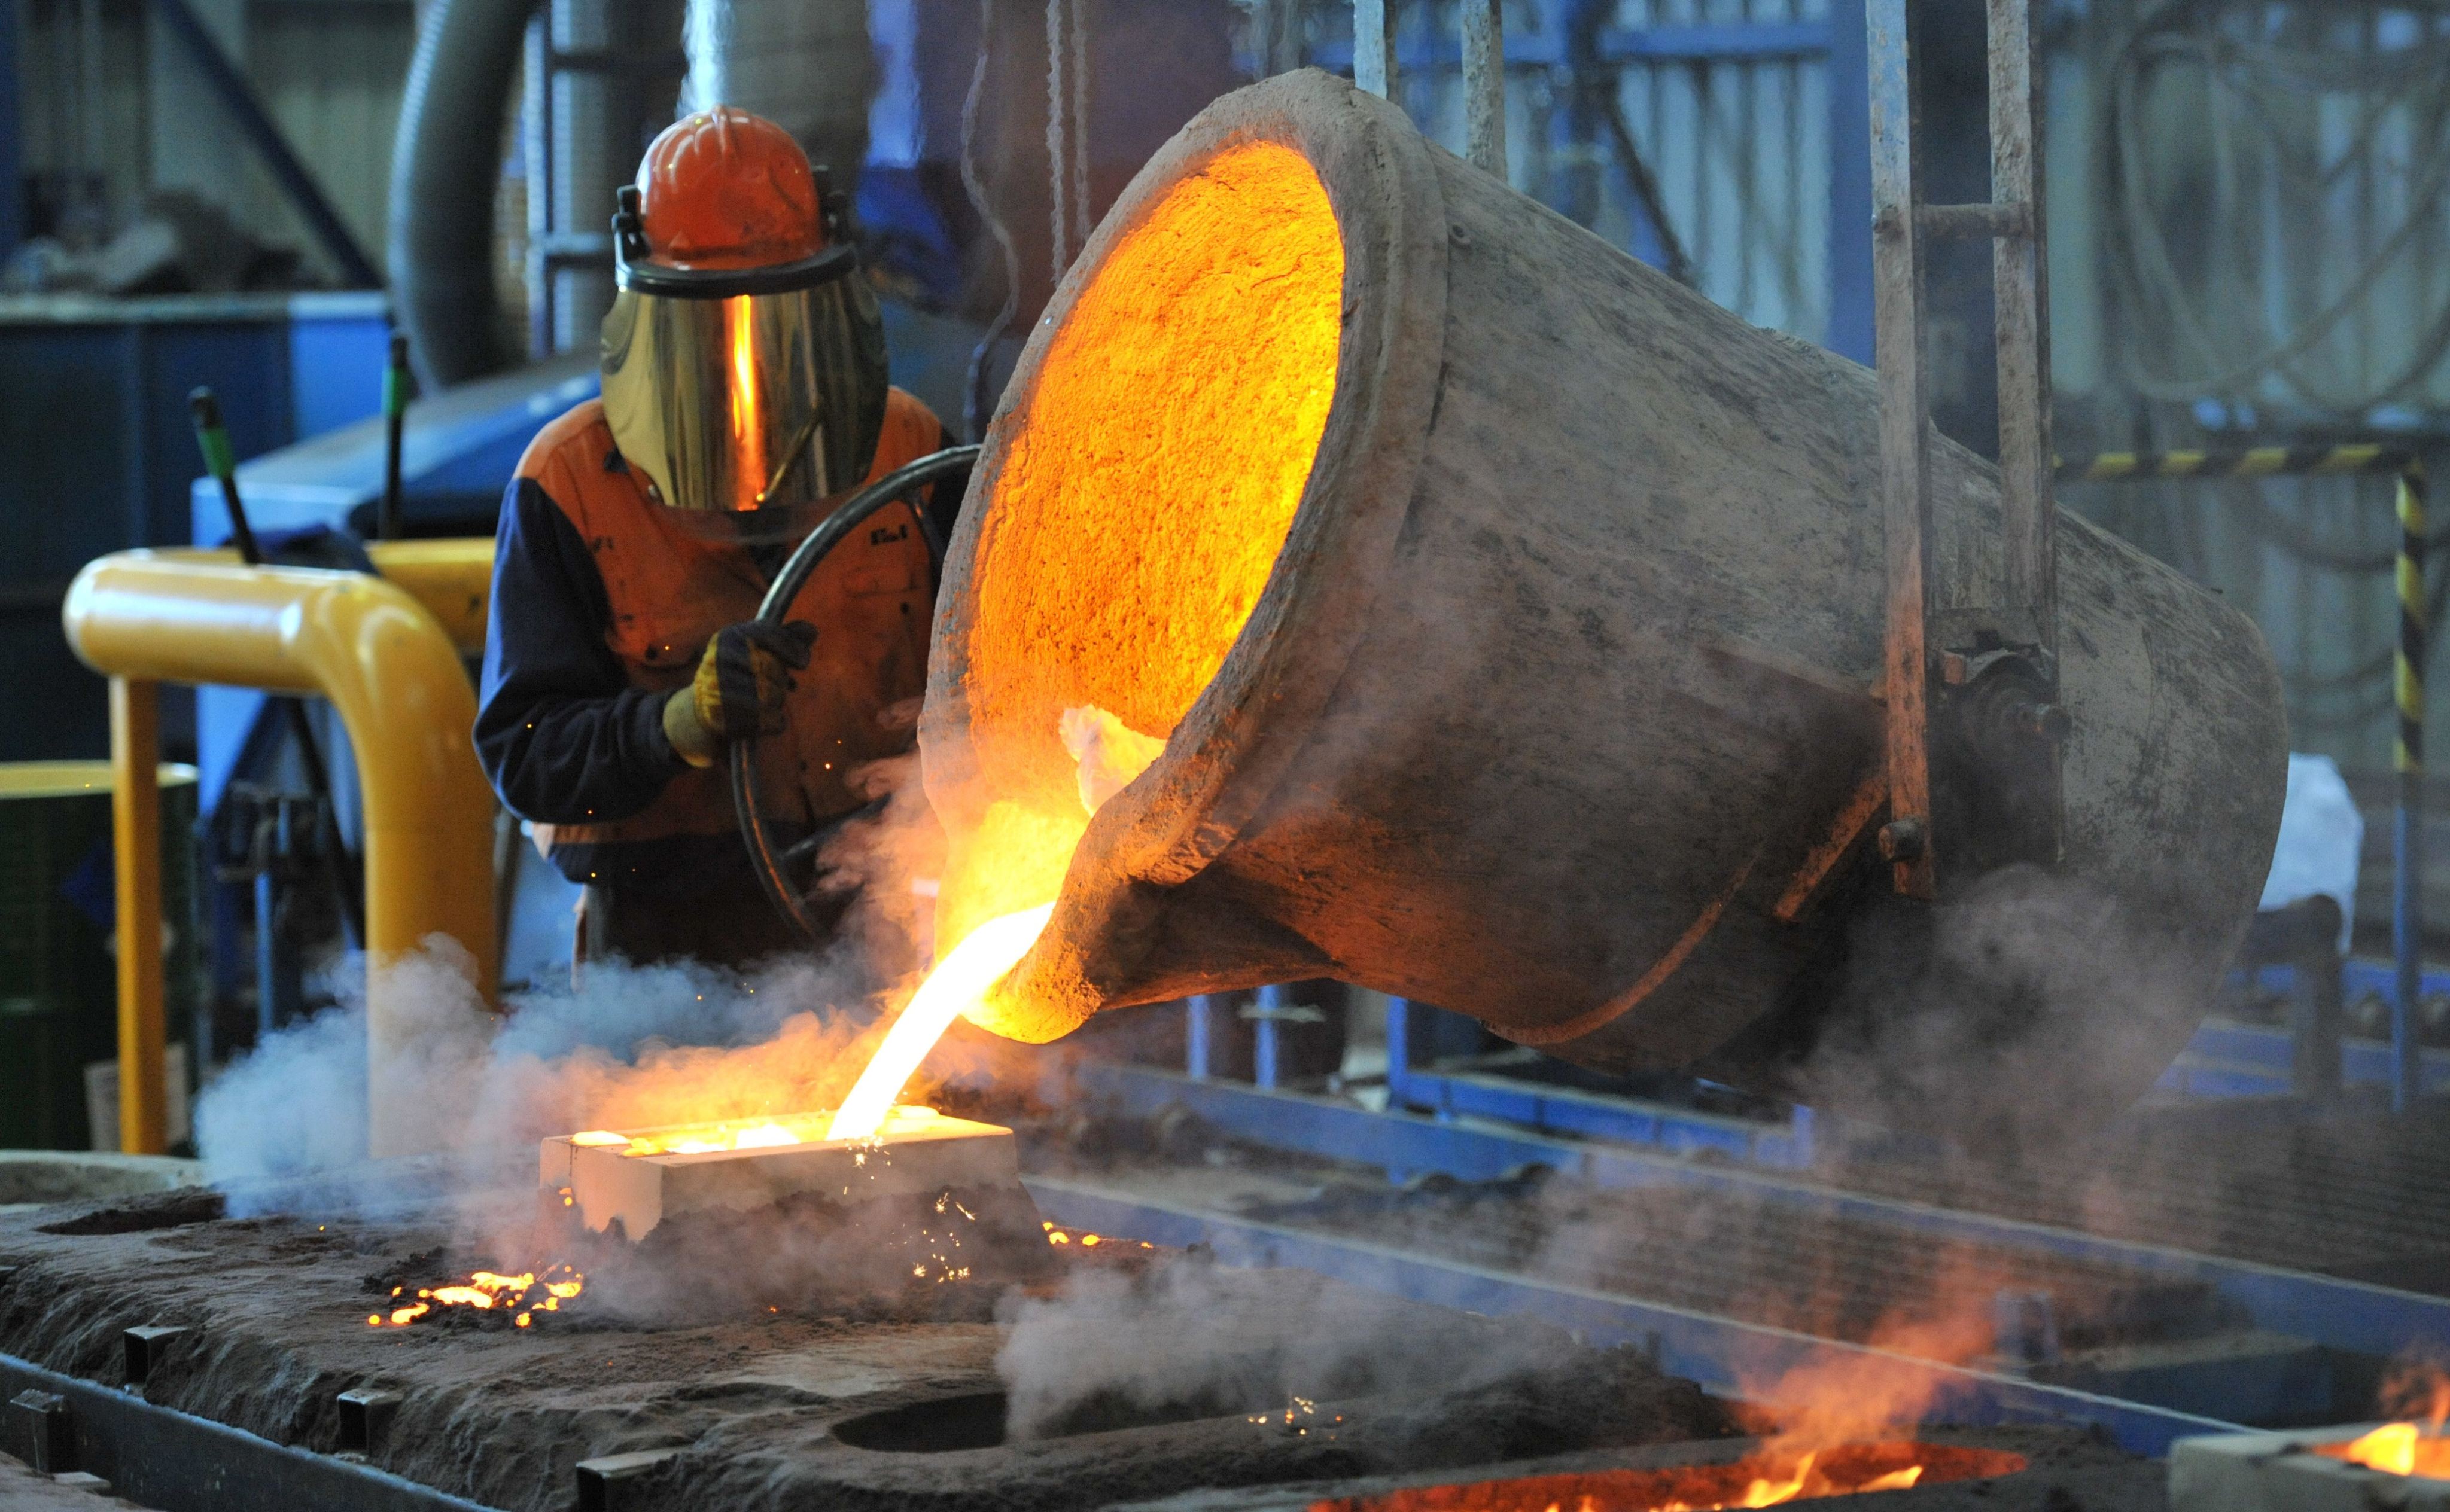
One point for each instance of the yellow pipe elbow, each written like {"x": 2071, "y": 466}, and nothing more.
{"x": 453, "y": 578}
{"x": 391, "y": 669}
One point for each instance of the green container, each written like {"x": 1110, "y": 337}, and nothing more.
{"x": 59, "y": 984}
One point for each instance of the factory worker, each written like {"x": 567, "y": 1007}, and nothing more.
{"x": 744, "y": 396}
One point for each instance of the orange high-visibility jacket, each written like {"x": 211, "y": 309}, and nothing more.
{"x": 667, "y": 591}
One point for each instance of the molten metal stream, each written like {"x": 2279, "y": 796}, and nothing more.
{"x": 958, "y": 981}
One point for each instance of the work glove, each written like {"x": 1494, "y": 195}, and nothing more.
{"x": 742, "y": 684}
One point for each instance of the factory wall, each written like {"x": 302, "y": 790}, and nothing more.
{"x": 330, "y": 72}
{"x": 2213, "y": 185}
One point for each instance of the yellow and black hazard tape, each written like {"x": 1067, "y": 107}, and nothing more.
{"x": 2314, "y": 461}
{"x": 2253, "y": 461}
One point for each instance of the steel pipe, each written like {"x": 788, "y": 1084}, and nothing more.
{"x": 388, "y": 665}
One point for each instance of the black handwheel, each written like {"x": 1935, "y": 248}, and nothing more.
{"x": 836, "y": 528}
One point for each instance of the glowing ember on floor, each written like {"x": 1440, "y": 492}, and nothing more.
{"x": 1851, "y": 1469}
{"x": 522, "y": 1296}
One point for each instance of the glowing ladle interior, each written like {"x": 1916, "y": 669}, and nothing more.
{"x": 1192, "y": 377}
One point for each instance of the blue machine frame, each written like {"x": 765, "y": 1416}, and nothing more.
{"x": 1723, "y": 1355}
{"x": 2350, "y": 1317}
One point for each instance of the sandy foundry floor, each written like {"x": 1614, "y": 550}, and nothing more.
{"x": 278, "y": 1307}
{"x": 2069, "y": 1470}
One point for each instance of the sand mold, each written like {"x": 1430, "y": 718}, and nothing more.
{"x": 278, "y": 1309}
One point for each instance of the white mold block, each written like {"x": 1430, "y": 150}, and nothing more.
{"x": 605, "y": 1182}
{"x": 2278, "y": 1472}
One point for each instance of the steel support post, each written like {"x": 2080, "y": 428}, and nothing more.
{"x": 1399, "y": 1050}
{"x": 2020, "y": 284}
{"x": 1196, "y": 1028}
{"x": 1266, "y": 1027}
{"x": 2407, "y": 884}
{"x": 1373, "y": 46}
{"x": 1484, "y": 86}
{"x": 1849, "y": 332}
{"x": 1905, "y": 442}
{"x": 136, "y": 831}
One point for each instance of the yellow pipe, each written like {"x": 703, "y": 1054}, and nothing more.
{"x": 136, "y": 839}
{"x": 391, "y": 669}
{"x": 453, "y": 577}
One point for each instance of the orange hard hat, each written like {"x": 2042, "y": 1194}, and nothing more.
{"x": 722, "y": 188}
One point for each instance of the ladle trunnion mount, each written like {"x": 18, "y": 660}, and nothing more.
{"x": 1516, "y": 619}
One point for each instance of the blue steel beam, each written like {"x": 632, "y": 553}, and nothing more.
{"x": 1766, "y": 42}
{"x": 1546, "y": 49}
{"x": 2230, "y": 1059}
{"x": 1849, "y": 332}
{"x": 1725, "y": 1356}
{"x": 2341, "y": 1315}
{"x": 1567, "y": 1111}
{"x": 1588, "y": 1115}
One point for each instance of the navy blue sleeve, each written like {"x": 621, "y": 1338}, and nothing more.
{"x": 561, "y": 734}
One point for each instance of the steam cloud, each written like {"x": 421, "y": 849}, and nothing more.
{"x": 630, "y": 1047}
{"x": 1186, "y": 1339}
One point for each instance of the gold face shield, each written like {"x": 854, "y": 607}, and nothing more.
{"x": 746, "y": 395}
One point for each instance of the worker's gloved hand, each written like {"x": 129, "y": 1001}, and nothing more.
{"x": 741, "y": 685}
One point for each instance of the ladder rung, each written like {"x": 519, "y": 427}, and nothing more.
{"x": 1975, "y": 222}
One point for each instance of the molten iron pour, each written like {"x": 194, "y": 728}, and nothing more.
{"x": 638, "y": 1177}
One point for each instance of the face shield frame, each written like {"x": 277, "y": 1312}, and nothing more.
{"x": 752, "y": 398}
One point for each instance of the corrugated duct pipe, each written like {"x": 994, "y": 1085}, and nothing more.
{"x": 444, "y": 162}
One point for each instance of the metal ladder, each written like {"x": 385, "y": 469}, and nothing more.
{"x": 1984, "y": 679}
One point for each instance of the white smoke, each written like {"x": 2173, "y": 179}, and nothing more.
{"x": 627, "y": 1047}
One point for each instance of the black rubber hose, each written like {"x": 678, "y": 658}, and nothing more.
{"x": 445, "y": 164}
{"x": 837, "y": 528}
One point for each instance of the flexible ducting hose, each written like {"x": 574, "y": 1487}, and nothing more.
{"x": 445, "y": 164}
{"x": 847, "y": 517}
